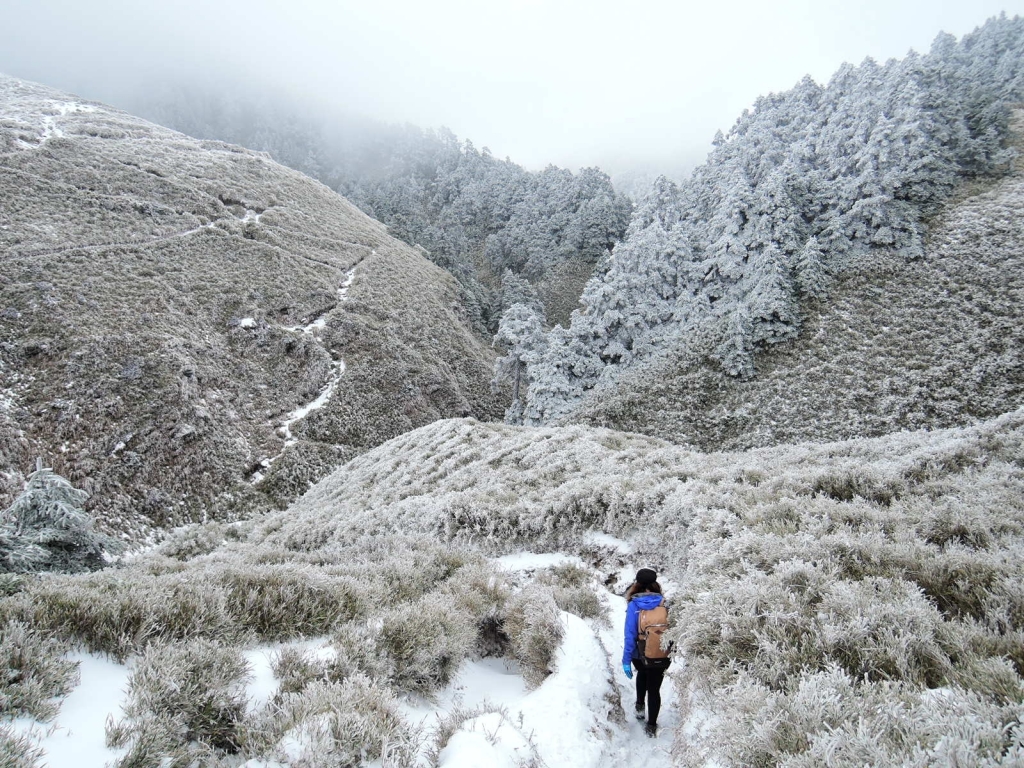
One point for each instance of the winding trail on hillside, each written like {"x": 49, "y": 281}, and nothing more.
{"x": 284, "y": 427}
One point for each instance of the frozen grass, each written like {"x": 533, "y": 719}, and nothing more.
{"x": 36, "y": 669}
{"x": 875, "y": 618}
{"x": 817, "y": 583}
{"x": 185, "y": 704}
{"x": 17, "y": 750}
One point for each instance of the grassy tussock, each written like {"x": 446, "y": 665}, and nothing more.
{"x": 427, "y": 642}
{"x": 329, "y": 724}
{"x": 185, "y": 703}
{"x": 573, "y": 590}
{"x": 535, "y": 630}
{"x": 17, "y": 751}
{"x": 36, "y": 670}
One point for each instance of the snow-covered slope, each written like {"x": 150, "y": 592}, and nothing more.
{"x": 166, "y": 303}
{"x": 859, "y": 600}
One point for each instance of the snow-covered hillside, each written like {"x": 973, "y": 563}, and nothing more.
{"x": 834, "y": 604}
{"x": 153, "y": 292}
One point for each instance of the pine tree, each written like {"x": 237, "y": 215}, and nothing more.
{"x": 521, "y": 334}
{"x": 47, "y": 527}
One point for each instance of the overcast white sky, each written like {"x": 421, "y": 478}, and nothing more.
{"x": 615, "y": 84}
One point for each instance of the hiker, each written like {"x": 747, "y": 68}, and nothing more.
{"x": 644, "y": 595}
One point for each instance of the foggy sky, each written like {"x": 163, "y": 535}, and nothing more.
{"x": 570, "y": 82}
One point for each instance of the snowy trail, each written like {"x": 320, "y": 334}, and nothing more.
{"x": 284, "y": 427}
{"x": 579, "y": 716}
{"x": 119, "y": 244}
{"x": 623, "y": 745}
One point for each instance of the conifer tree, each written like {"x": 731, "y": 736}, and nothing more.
{"x": 47, "y": 527}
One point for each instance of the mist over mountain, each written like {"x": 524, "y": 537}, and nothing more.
{"x": 475, "y": 215}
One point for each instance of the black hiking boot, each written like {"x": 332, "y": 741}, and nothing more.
{"x": 639, "y": 712}
{"x": 651, "y": 729}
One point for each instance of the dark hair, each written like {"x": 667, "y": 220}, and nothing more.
{"x": 637, "y": 588}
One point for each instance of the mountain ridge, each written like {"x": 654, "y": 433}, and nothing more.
{"x": 153, "y": 285}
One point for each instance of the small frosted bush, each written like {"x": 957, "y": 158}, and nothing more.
{"x": 426, "y": 641}
{"x": 194, "y": 541}
{"x": 36, "y": 669}
{"x": 481, "y": 592}
{"x": 331, "y": 724}
{"x": 573, "y": 591}
{"x": 535, "y": 630}
{"x": 185, "y": 703}
{"x": 278, "y": 602}
{"x": 296, "y": 668}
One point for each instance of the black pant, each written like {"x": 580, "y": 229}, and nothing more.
{"x": 648, "y": 685}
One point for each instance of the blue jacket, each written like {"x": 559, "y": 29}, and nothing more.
{"x": 642, "y": 602}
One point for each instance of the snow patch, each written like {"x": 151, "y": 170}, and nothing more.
{"x": 531, "y": 561}
{"x": 77, "y": 736}
{"x": 486, "y": 740}
{"x": 606, "y": 541}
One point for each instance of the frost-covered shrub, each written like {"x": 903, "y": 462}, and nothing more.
{"x": 849, "y": 486}
{"x": 47, "y": 528}
{"x": 18, "y": 750}
{"x": 185, "y": 702}
{"x": 295, "y": 668}
{"x": 11, "y": 584}
{"x": 573, "y": 590}
{"x": 329, "y": 724}
{"x": 194, "y": 541}
{"x": 481, "y": 592}
{"x": 426, "y": 641}
{"x": 278, "y": 602}
{"x": 535, "y": 631}
{"x": 36, "y": 670}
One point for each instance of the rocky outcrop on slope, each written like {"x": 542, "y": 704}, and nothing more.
{"x": 167, "y": 303}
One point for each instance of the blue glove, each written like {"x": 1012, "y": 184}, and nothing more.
{"x": 628, "y": 670}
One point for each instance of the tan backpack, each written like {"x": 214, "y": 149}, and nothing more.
{"x": 653, "y": 623}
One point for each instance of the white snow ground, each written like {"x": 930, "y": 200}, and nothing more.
{"x": 580, "y": 716}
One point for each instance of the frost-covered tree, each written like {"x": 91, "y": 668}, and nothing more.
{"x": 807, "y": 183}
{"x": 521, "y": 334}
{"x": 47, "y": 528}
